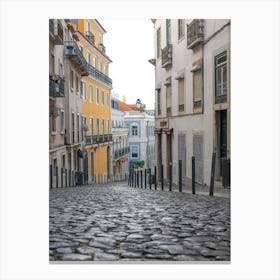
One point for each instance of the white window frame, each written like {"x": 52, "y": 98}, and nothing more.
{"x": 88, "y": 57}
{"x": 62, "y": 122}
{"x": 102, "y": 97}
{"x": 137, "y": 129}
{"x": 90, "y": 93}
{"x": 137, "y": 148}
{"x": 97, "y": 95}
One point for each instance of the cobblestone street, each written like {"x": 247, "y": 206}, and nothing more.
{"x": 121, "y": 223}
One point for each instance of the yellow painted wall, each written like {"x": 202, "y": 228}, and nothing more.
{"x": 93, "y": 109}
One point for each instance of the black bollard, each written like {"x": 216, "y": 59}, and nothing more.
{"x": 170, "y": 176}
{"x": 145, "y": 178}
{"x": 141, "y": 174}
{"x": 61, "y": 177}
{"x": 51, "y": 176}
{"x": 56, "y": 173}
{"x": 180, "y": 175}
{"x": 150, "y": 178}
{"x": 65, "y": 171}
{"x": 137, "y": 178}
{"x": 211, "y": 192}
{"x": 193, "y": 175}
{"x": 162, "y": 178}
{"x": 132, "y": 178}
{"x": 155, "y": 178}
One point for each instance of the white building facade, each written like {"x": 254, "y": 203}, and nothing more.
{"x": 141, "y": 137}
{"x": 192, "y": 94}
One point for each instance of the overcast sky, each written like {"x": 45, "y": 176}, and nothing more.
{"x": 129, "y": 44}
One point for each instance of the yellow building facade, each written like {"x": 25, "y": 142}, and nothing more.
{"x": 95, "y": 92}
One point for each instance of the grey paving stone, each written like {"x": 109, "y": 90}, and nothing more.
{"x": 105, "y": 257}
{"x": 64, "y": 250}
{"x": 76, "y": 257}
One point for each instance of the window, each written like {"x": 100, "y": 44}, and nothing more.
{"x": 77, "y": 84}
{"x": 158, "y": 43}
{"x": 81, "y": 49}
{"x": 94, "y": 62}
{"x": 97, "y": 95}
{"x": 53, "y": 123}
{"x": 181, "y": 29}
{"x": 102, "y": 94}
{"x": 181, "y": 95}
{"x": 134, "y": 130}
{"x": 158, "y": 102}
{"x": 84, "y": 91}
{"x": 221, "y": 78}
{"x": 84, "y": 124}
{"x": 78, "y": 128}
{"x": 197, "y": 89}
{"x": 100, "y": 66}
{"x": 62, "y": 121}
{"x": 52, "y": 64}
{"x": 97, "y": 126}
{"x": 88, "y": 57}
{"x": 73, "y": 127}
{"x": 91, "y": 126}
{"x": 168, "y": 99}
{"x": 134, "y": 151}
{"x": 72, "y": 79}
{"x": 90, "y": 94}
{"x": 103, "y": 128}
{"x": 104, "y": 69}
{"x": 87, "y": 26}
{"x": 61, "y": 74}
{"x": 168, "y": 31}
{"x": 54, "y": 167}
{"x": 63, "y": 161}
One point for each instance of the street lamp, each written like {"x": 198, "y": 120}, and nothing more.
{"x": 138, "y": 104}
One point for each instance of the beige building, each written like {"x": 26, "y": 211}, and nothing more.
{"x": 192, "y": 79}
{"x": 66, "y": 67}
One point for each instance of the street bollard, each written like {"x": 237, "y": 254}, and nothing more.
{"x": 73, "y": 178}
{"x": 180, "y": 175}
{"x": 137, "y": 178}
{"x": 132, "y": 178}
{"x": 150, "y": 178}
{"x": 155, "y": 178}
{"x": 51, "y": 177}
{"x": 162, "y": 178}
{"x": 141, "y": 174}
{"x": 61, "y": 177}
{"x": 56, "y": 174}
{"x": 145, "y": 178}
{"x": 65, "y": 171}
{"x": 170, "y": 176}
{"x": 193, "y": 175}
{"x": 69, "y": 177}
{"x": 211, "y": 191}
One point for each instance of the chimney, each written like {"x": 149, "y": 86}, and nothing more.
{"x": 124, "y": 99}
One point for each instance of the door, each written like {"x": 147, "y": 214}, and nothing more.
{"x": 182, "y": 152}
{"x": 92, "y": 165}
{"x": 198, "y": 154}
{"x": 223, "y": 137}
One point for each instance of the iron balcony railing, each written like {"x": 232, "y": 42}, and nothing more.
{"x": 98, "y": 139}
{"x": 99, "y": 75}
{"x": 121, "y": 152}
{"x": 195, "y": 33}
{"x": 166, "y": 56}
{"x": 102, "y": 48}
{"x": 72, "y": 50}
{"x": 56, "y": 30}
{"x": 90, "y": 37}
{"x": 56, "y": 87}
{"x": 181, "y": 107}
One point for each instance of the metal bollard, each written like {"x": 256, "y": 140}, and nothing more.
{"x": 141, "y": 174}
{"x": 145, "y": 178}
{"x": 162, "y": 178}
{"x": 193, "y": 175}
{"x": 211, "y": 191}
{"x": 170, "y": 176}
{"x": 61, "y": 175}
{"x": 180, "y": 175}
{"x": 155, "y": 178}
{"x": 137, "y": 178}
{"x": 56, "y": 174}
{"x": 51, "y": 177}
{"x": 150, "y": 178}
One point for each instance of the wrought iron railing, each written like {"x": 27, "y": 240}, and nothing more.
{"x": 102, "y": 48}
{"x": 71, "y": 49}
{"x": 121, "y": 152}
{"x": 98, "y": 139}
{"x": 181, "y": 107}
{"x": 99, "y": 75}
{"x": 90, "y": 37}
{"x": 195, "y": 32}
{"x": 56, "y": 86}
{"x": 166, "y": 56}
{"x": 52, "y": 88}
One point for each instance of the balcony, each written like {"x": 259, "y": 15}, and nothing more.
{"x": 91, "y": 37}
{"x": 195, "y": 33}
{"x": 102, "y": 48}
{"x": 121, "y": 152}
{"x": 98, "y": 139}
{"x": 72, "y": 51}
{"x": 181, "y": 108}
{"x": 99, "y": 75}
{"x": 56, "y": 31}
{"x": 56, "y": 86}
{"x": 166, "y": 56}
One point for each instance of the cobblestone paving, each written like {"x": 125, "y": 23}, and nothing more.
{"x": 120, "y": 223}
